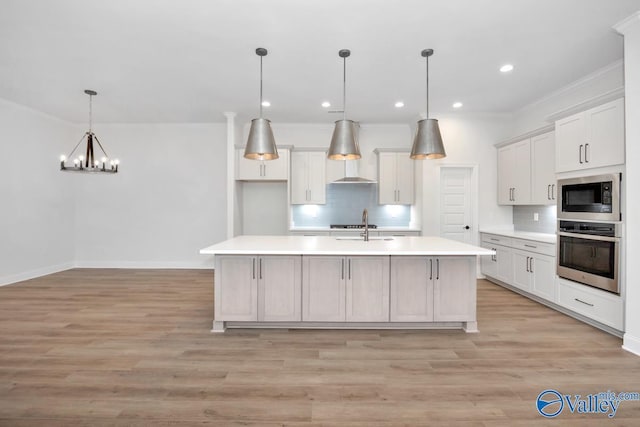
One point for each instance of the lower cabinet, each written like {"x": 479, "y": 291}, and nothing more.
{"x": 258, "y": 288}
{"x": 351, "y": 289}
{"x": 432, "y": 289}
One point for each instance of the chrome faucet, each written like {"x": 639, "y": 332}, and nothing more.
{"x": 365, "y": 222}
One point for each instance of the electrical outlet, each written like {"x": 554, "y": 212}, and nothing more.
{"x": 535, "y": 216}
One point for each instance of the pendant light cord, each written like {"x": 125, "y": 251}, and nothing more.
{"x": 260, "y": 86}
{"x": 90, "y": 113}
{"x": 427, "y": 57}
{"x": 344, "y": 88}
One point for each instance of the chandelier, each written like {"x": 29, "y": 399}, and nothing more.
{"x": 89, "y": 162}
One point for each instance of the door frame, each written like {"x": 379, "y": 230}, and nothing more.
{"x": 474, "y": 199}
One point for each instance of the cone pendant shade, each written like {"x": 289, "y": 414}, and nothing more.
{"x": 344, "y": 143}
{"x": 261, "y": 145}
{"x": 428, "y": 142}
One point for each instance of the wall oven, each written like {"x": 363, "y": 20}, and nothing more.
{"x": 589, "y": 252}
{"x": 592, "y": 198}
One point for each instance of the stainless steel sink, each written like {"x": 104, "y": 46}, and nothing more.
{"x": 361, "y": 238}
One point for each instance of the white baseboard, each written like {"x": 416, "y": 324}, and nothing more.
{"x": 631, "y": 343}
{"x": 32, "y": 274}
{"x": 145, "y": 264}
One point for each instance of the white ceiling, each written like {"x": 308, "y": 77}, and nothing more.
{"x": 191, "y": 60}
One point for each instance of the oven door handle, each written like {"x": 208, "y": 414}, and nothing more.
{"x": 589, "y": 237}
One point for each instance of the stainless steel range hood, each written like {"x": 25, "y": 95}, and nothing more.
{"x": 351, "y": 175}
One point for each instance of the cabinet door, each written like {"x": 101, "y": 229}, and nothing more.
{"x": 387, "y": 189}
{"x": 488, "y": 264}
{"x": 316, "y": 177}
{"x": 279, "y": 288}
{"x": 404, "y": 179}
{"x": 411, "y": 289}
{"x": 571, "y": 135}
{"x": 543, "y": 269}
{"x": 505, "y": 174}
{"x": 521, "y": 193}
{"x": 299, "y": 178}
{"x": 504, "y": 269}
{"x": 323, "y": 288}
{"x": 367, "y": 292}
{"x": 236, "y": 288}
{"x": 278, "y": 169}
{"x": 248, "y": 169}
{"x": 454, "y": 289}
{"x": 543, "y": 176}
{"x": 521, "y": 272}
{"x": 605, "y": 135}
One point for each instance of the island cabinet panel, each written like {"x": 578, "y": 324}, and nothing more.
{"x": 236, "y": 288}
{"x": 367, "y": 289}
{"x": 454, "y": 290}
{"x": 323, "y": 288}
{"x": 411, "y": 289}
{"x": 279, "y": 288}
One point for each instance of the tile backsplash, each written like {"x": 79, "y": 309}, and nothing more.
{"x": 523, "y": 219}
{"x": 345, "y": 203}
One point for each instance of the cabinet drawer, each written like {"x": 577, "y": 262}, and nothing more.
{"x": 533, "y": 246}
{"x": 597, "y": 305}
{"x": 496, "y": 239}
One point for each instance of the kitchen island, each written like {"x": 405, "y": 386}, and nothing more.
{"x": 344, "y": 282}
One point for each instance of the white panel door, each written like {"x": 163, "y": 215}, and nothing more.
{"x": 571, "y": 135}
{"x": 521, "y": 270}
{"x": 323, "y": 288}
{"x": 316, "y": 177}
{"x": 236, "y": 288}
{"x": 505, "y": 175}
{"x": 455, "y": 204}
{"x": 367, "y": 290}
{"x": 299, "y": 178}
{"x": 387, "y": 174}
{"x": 543, "y": 268}
{"x": 454, "y": 289}
{"x": 521, "y": 193}
{"x": 605, "y": 135}
{"x": 543, "y": 173}
{"x": 411, "y": 293}
{"x": 404, "y": 178}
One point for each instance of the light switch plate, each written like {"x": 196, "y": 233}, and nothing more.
{"x": 535, "y": 216}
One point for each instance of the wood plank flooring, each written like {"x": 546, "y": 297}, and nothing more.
{"x": 133, "y": 347}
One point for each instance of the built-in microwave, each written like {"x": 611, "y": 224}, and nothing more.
{"x": 591, "y": 198}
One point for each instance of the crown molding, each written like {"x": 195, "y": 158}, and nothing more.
{"x": 531, "y": 134}
{"x": 585, "y": 105}
{"x": 623, "y": 26}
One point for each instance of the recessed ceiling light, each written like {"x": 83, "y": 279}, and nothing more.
{"x": 457, "y": 104}
{"x": 326, "y": 104}
{"x": 399, "y": 104}
{"x": 506, "y": 68}
{"x": 266, "y": 104}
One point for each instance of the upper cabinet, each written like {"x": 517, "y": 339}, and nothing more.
{"x": 526, "y": 172}
{"x": 514, "y": 173}
{"x": 308, "y": 169}
{"x": 395, "y": 178}
{"x": 592, "y": 138}
{"x": 262, "y": 170}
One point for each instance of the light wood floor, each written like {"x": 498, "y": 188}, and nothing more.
{"x": 133, "y": 347}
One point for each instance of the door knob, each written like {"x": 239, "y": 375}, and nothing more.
{"x": 466, "y": 227}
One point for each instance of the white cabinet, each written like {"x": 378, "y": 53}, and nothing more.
{"x": 339, "y": 289}
{"x": 543, "y": 174}
{"x": 262, "y": 170}
{"x": 514, "y": 173}
{"x": 411, "y": 289}
{"x": 601, "y": 306}
{"x": 592, "y": 138}
{"x": 489, "y": 265}
{"x": 395, "y": 178}
{"x": 454, "y": 293}
{"x": 308, "y": 169}
{"x": 534, "y": 273}
{"x": 257, "y": 288}
{"x": 279, "y": 288}
{"x": 503, "y": 269}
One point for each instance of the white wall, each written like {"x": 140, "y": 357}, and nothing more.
{"x": 631, "y": 30}
{"x": 36, "y": 199}
{"x": 167, "y": 201}
{"x": 468, "y": 141}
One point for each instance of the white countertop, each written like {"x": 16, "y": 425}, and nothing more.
{"x": 330, "y": 245}
{"x": 526, "y": 235}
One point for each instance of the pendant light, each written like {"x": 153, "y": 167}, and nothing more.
{"x": 89, "y": 162}
{"x": 344, "y": 143}
{"x": 261, "y": 145}
{"x": 427, "y": 143}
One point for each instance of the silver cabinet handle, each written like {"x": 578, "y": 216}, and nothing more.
{"x": 514, "y": 194}
{"x": 580, "y": 153}
{"x": 253, "y": 267}
{"x": 430, "y": 269}
{"x": 583, "y": 302}
{"x": 438, "y": 269}
{"x": 531, "y": 265}
{"x": 495, "y": 240}
{"x": 349, "y": 269}
{"x": 342, "y": 268}
{"x": 526, "y": 264}
{"x": 260, "y": 267}
{"x": 586, "y": 153}
{"x": 530, "y": 246}
{"x": 549, "y": 192}
{"x": 553, "y": 191}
